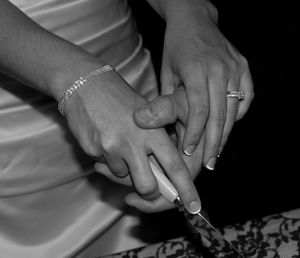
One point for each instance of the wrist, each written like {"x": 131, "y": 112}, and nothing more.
{"x": 204, "y": 9}
{"x": 79, "y": 84}
{"x": 65, "y": 77}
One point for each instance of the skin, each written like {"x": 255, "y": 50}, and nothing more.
{"x": 160, "y": 204}
{"x": 198, "y": 56}
{"x": 101, "y": 115}
{"x": 199, "y": 66}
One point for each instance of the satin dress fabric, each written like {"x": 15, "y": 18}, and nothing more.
{"x": 49, "y": 204}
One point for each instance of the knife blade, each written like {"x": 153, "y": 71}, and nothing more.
{"x": 213, "y": 238}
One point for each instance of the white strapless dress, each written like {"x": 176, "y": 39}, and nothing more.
{"x": 49, "y": 204}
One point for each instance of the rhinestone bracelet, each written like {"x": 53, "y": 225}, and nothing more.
{"x": 78, "y": 84}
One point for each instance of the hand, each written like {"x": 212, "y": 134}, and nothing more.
{"x": 198, "y": 56}
{"x": 160, "y": 203}
{"x": 100, "y": 117}
{"x": 171, "y": 109}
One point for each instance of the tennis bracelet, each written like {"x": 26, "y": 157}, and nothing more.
{"x": 78, "y": 84}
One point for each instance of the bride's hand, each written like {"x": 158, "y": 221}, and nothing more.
{"x": 101, "y": 117}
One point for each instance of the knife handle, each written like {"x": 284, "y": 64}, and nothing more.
{"x": 166, "y": 188}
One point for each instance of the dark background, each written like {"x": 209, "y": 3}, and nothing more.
{"x": 257, "y": 173}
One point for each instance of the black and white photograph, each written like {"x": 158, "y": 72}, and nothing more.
{"x": 149, "y": 129}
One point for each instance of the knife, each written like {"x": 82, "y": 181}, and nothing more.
{"x": 213, "y": 238}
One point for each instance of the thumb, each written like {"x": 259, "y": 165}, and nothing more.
{"x": 157, "y": 113}
{"x": 163, "y": 110}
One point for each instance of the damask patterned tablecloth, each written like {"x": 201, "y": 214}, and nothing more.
{"x": 276, "y": 236}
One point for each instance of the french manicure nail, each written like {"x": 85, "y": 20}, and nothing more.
{"x": 211, "y": 163}
{"x": 144, "y": 114}
{"x": 194, "y": 207}
{"x": 189, "y": 150}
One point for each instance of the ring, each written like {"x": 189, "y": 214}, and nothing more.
{"x": 236, "y": 94}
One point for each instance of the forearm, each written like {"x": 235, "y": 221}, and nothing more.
{"x": 169, "y": 9}
{"x": 37, "y": 57}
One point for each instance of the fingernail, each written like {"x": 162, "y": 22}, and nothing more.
{"x": 211, "y": 163}
{"x": 189, "y": 150}
{"x": 194, "y": 207}
{"x": 144, "y": 114}
{"x": 130, "y": 201}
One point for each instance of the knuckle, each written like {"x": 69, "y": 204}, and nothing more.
{"x": 91, "y": 149}
{"x": 219, "y": 69}
{"x": 212, "y": 10}
{"x": 108, "y": 145}
{"x": 244, "y": 61}
{"x": 233, "y": 64}
{"x": 167, "y": 108}
{"x": 146, "y": 188}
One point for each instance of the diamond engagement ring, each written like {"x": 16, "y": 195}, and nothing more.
{"x": 236, "y": 94}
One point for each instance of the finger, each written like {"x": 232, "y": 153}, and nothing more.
{"x": 181, "y": 104}
{"x": 133, "y": 199}
{"x": 105, "y": 170}
{"x": 198, "y": 109}
{"x": 175, "y": 168}
{"x": 246, "y": 85}
{"x": 141, "y": 175}
{"x": 180, "y": 130}
{"x": 193, "y": 162}
{"x": 168, "y": 80}
{"x": 232, "y": 110}
{"x": 117, "y": 166}
{"x": 157, "y": 205}
{"x": 157, "y": 113}
{"x": 162, "y": 111}
{"x": 216, "y": 121}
